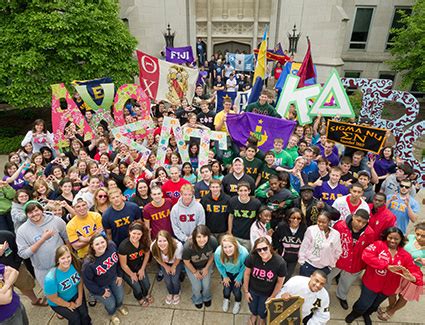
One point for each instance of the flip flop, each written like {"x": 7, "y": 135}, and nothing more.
{"x": 384, "y": 316}
{"x": 382, "y": 310}
{"x": 149, "y": 298}
{"x": 42, "y": 302}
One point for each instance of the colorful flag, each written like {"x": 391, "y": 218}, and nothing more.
{"x": 306, "y": 70}
{"x": 278, "y": 49}
{"x": 241, "y": 99}
{"x": 220, "y": 95}
{"x": 260, "y": 68}
{"x": 256, "y": 90}
{"x": 179, "y": 55}
{"x": 292, "y": 68}
{"x": 263, "y": 127}
{"x": 162, "y": 80}
{"x": 241, "y": 62}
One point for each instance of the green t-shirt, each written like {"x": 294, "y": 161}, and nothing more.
{"x": 283, "y": 159}
{"x": 293, "y": 152}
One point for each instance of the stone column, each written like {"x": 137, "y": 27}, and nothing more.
{"x": 209, "y": 31}
{"x": 273, "y": 30}
{"x": 256, "y": 14}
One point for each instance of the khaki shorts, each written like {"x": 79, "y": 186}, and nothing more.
{"x": 25, "y": 281}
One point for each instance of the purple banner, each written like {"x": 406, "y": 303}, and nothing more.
{"x": 179, "y": 55}
{"x": 263, "y": 127}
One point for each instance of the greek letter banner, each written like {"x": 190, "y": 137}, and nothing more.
{"x": 179, "y": 55}
{"x": 356, "y": 136}
{"x": 263, "y": 127}
{"x": 162, "y": 80}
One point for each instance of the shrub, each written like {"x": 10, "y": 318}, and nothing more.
{"x": 9, "y": 144}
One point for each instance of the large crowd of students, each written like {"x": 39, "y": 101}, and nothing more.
{"x": 84, "y": 220}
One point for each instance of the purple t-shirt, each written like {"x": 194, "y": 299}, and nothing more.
{"x": 383, "y": 166}
{"x": 7, "y": 311}
{"x": 18, "y": 183}
{"x": 329, "y": 194}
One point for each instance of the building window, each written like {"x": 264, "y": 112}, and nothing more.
{"x": 397, "y": 23}
{"x": 352, "y": 74}
{"x": 361, "y": 28}
{"x": 387, "y": 75}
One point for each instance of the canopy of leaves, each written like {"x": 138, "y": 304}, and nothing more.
{"x": 409, "y": 47}
{"x": 47, "y": 42}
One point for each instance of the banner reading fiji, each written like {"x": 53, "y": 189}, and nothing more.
{"x": 162, "y": 80}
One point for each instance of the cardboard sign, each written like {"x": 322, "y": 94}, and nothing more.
{"x": 282, "y": 311}
{"x": 356, "y": 136}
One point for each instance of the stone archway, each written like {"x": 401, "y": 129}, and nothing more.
{"x": 232, "y": 47}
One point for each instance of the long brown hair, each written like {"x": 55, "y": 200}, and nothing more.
{"x": 262, "y": 240}
{"x": 61, "y": 250}
{"x": 91, "y": 254}
{"x": 144, "y": 240}
{"x": 172, "y": 246}
{"x": 234, "y": 258}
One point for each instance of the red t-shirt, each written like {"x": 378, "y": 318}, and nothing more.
{"x": 159, "y": 217}
{"x": 353, "y": 208}
{"x": 172, "y": 190}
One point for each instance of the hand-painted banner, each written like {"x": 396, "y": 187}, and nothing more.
{"x": 131, "y": 91}
{"x": 121, "y": 134}
{"x": 166, "y": 81}
{"x": 241, "y": 100}
{"x": 263, "y": 127}
{"x": 241, "y": 62}
{"x": 356, "y": 136}
{"x": 220, "y": 95}
{"x": 179, "y": 55}
{"x": 67, "y": 120}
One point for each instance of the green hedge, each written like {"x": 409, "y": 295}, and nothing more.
{"x": 9, "y": 144}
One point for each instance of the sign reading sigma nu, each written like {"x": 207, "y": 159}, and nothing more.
{"x": 356, "y": 136}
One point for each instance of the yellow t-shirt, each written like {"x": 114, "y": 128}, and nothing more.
{"x": 219, "y": 118}
{"x": 83, "y": 227}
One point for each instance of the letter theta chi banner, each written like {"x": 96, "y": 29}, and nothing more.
{"x": 356, "y": 136}
{"x": 162, "y": 80}
{"x": 179, "y": 55}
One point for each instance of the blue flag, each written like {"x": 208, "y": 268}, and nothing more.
{"x": 292, "y": 67}
{"x": 241, "y": 62}
{"x": 220, "y": 95}
{"x": 264, "y": 128}
{"x": 256, "y": 90}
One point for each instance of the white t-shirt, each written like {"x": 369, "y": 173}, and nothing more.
{"x": 177, "y": 254}
{"x": 231, "y": 84}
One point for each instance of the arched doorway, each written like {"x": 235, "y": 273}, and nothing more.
{"x": 232, "y": 47}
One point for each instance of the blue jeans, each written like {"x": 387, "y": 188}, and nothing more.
{"x": 79, "y": 316}
{"x": 201, "y": 289}
{"x": 173, "y": 281}
{"x": 257, "y": 306}
{"x": 140, "y": 288}
{"x": 114, "y": 301}
{"x": 227, "y": 291}
{"x": 368, "y": 301}
{"x": 307, "y": 269}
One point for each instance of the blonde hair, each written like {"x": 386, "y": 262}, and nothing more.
{"x": 187, "y": 187}
{"x": 62, "y": 250}
{"x": 223, "y": 257}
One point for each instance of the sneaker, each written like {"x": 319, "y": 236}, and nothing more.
{"x": 343, "y": 303}
{"x": 226, "y": 303}
{"x": 169, "y": 299}
{"x": 207, "y": 303}
{"x": 176, "y": 299}
{"x": 199, "y": 306}
{"x": 236, "y": 308}
{"x": 91, "y": 300}
{"x": 115, "y": 320}
{"x": 123, "y": 310}
{"x": 159, "y": 276}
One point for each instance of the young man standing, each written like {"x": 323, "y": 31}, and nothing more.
{"x": 364, "y": 180}
{"x": 202, "y": 187}
{"x": 391, "y": 184}
{"x": 267, "y": 169}
{"x": 216, "y": 205}
{"x": 171, "y": 188}
{"x": 329, "y": 191}
{"x": 292, "y": 147}
{"x": 403, "y": 206}
{"x": 231, "y": 180}
{"x": 380, "y": 217}
{"x": 156, "y": 214}
{"x": 283, "y": 159}
{"x": 243, "y": 210}
{"x": 186, "y": 214}
{"x": 252, "y": 164}
{"x": 352, "y": 202}
{"x": 119, "y": 216}
{"x": 206, "y": 117}
{"x": 262, "y": 106}
{"x": 310, "y": 165}
{"x": 355, "y": 236}
{"x": 329, "y": 154}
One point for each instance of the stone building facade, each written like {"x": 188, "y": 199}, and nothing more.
{"x": 350, "y": 35}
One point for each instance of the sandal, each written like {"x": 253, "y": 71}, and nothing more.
{"x": 384, "y": 316}
{"x": 149, "y": 298}
{"x": 144, "y": 303}
{"x": 382, "y": 310}
{"x": 59, "y": 316}
{"x": 42, "y": 302}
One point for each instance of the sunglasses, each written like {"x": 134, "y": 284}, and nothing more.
{"x": 262, "y": 249}
{"x": 102, "y": 196}
{"x": 295, "y": 218}
{"x": 404, "y": 186}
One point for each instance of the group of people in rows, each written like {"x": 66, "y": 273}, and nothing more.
{"x": 286, "y": 222}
